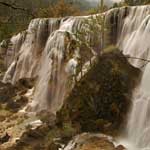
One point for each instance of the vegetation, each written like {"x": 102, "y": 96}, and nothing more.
{"x": 59, "y": 9}
{"x": 99, "y": 102}
{"x": 137, "y": 2}
{"x": 16, "y": 15}
{"x": 93, "y": 33}
{"x": 131, "y": 3}
{"x": 89, "y": 37}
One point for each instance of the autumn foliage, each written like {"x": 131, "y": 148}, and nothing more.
{"x": 59, "y": 9}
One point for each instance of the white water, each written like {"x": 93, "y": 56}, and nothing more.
{"x": 45, "y": 53}
{"x": 56, "y": 66}
{"x": 135, "y": 42}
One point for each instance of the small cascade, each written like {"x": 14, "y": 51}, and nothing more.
{"x": 10, "y": 72}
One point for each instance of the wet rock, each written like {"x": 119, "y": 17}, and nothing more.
{"x": 52, "y": 146}
{"x": 120, "y": 147}
{"x": 13, "y": 96}
{"x": 2, "y": 118}
{"x": 4, "y": 138}
{"x": 87, "y": 141}
{"x": 36, "y": 139}
{"x": 47, "y": 117}
{"x": 25, "y": 83}
{"x": 17, "y": 103}
{"x": 33, "y": 125}
{"x": 7, "y": 91}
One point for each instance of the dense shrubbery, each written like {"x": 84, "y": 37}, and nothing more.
{"x": 59, "y": 9}
{"x": 99, "y": 102}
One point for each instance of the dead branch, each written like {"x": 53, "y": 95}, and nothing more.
{"x": 130, "y": 57}
{"x": 15, "y": 7}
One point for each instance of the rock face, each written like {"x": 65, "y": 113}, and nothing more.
{"x": 13, "y": 101}
{"x": 12, "y": 96}
{"x": 99, "y": 102}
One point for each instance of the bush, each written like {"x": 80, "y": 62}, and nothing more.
{"x": 99, "y": 102}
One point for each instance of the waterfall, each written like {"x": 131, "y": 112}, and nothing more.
{"x": 134, "y": 37}
{"x": 135, "y": 42}
{"x": 29, "y": 56}
{"x": 45, "y": 53}
{"x": 53, "y": 75}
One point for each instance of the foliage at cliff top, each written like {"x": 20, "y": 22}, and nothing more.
{"x": 99, "y": 102}
{"x": 59, "y": 9}
{"x": 16, "y": 15}
{"x": 131, "y": 3}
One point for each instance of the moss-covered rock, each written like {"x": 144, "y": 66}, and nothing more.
{"x": 99, "y": 102}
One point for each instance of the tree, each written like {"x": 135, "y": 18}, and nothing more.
{"x": 91, "y": 37}
{"x": 15, "y": 15}
{"x": 137, "y": 2}
{"x": 101, "y": 6}
{"x": 59, "y": 9}
{"x": 92, "y": 34}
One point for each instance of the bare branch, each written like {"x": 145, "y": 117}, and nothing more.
{"x": 130, "y": 57}
{"x": 12, "y": 6}
{"x": 15, "y": 7}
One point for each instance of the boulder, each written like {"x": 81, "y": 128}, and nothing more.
{"x": 89, "y": 141}
{"x": 4, "y": 138}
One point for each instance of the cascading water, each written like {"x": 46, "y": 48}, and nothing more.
{"x": 134, "y": 41}
{"x": 54, "y": 75}
{"x": 45, "y": 54}
{"x": 29, "y": 57}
